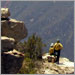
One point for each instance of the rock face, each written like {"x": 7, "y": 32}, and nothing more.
{"x": 12, "y": 31}
{"x": 11, "y": 62}
{"x": 65, "y": 66}
{"x": 13, "y": 28}
{"x": 7, "y": 43}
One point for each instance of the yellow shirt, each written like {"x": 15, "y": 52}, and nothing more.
{"x": 58, "y": 46}
{"x": 51, "y": 50}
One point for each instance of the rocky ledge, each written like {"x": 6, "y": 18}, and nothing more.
{"x": 65, "y": 66}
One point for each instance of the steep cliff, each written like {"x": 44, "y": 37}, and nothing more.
{"x": 12, "y": 31}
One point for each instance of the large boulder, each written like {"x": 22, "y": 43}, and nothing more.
{"x": 11, "y": 62}
{"x": 5, "y": 13}
{"x": 7, "y": 44}
{"x": 13, "y": 28}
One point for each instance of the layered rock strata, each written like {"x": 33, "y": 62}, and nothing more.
{"x": 12, "y": 31}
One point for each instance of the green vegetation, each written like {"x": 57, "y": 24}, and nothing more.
{"x": 32, "y": 48}
{"x": 28, "y": 67}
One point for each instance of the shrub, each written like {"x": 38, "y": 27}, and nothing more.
{"x": 28, "y": 67}
{"x": 33, "y": 46}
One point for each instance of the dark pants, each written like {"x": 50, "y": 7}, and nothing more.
{"x": 52, "y": 54}
{"x": 57, "y": 53}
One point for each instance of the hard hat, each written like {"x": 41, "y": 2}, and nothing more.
{"x": 52, "y": 44}
{"x": 58, "y": 40}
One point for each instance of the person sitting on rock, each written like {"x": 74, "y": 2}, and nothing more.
{"x": 57, "y": 48}
{"x": 51, "y": 49}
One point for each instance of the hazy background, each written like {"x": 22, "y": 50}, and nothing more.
{"x": 48, "y": 19}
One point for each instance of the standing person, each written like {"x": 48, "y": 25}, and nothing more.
{"x": 57, "y": 48}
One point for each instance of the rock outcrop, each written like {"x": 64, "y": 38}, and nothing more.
{"x": 65, "y": 66}
{"x": 5, "y": 13}
{"x": 11, "y": 61}
{"x": 12, "y": 31}
{"x": 13, "y": 28}
{"x": 7, "y": 44}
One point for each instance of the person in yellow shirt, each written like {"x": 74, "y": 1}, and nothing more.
{"x": 51, "y": 49}
{"x": 57, "y": 48}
